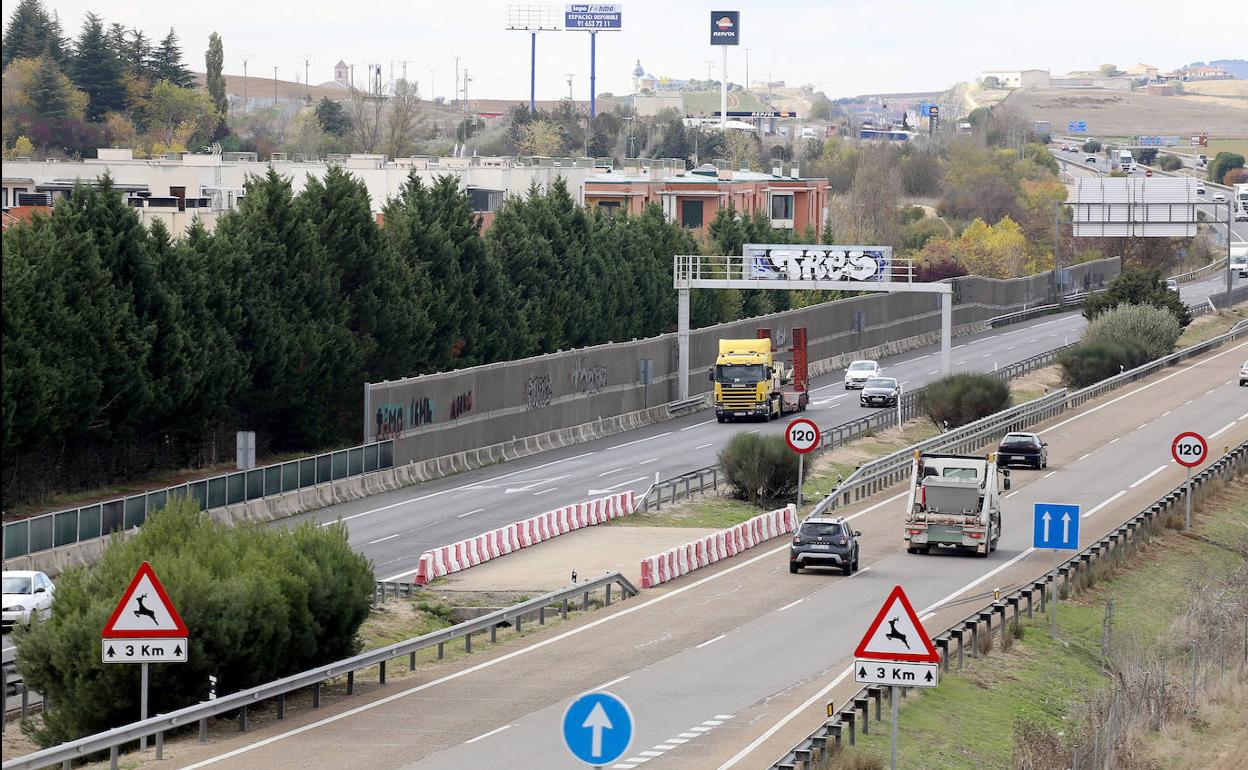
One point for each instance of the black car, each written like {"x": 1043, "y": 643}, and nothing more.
{"x": 1023, "y": 449}
{"x": 824, "y": 543}
{"x": 880, "y": 391}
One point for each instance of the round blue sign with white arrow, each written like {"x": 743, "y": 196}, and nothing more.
{"x": 597, "y": 728}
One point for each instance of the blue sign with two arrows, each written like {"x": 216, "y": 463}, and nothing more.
{"x": 597, "y": 728}
{"x": 1056, "y": 526}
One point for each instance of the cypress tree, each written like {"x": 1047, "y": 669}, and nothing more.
{"x": 97, "y": 70}
{"x": 215, "y": 60}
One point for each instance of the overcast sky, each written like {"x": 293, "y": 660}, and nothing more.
{"x": 844, "y": 47}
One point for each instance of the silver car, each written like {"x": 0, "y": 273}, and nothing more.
{"x": 859, "y": 372}
{"x": 27, "y": 597}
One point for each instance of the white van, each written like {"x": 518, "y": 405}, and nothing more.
{"x": 1239, "y": 261}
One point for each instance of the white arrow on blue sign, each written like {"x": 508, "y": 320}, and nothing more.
{"x": 597, "y": 728}
{"x": 1056, "y": 526}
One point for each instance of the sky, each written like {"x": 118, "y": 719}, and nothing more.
{"x": 842, "y": 47}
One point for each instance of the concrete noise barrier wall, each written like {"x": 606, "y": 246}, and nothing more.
{"x": 501, "y": 405}
{"x": 716, "y": 546}
{"x": 456, "y": 557}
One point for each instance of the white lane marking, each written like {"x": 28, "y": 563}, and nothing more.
{"x": 636, "y": 761}
{"x": 651, "y": 460}
{"x": 383, "y": 539}
{"x": 1115, "y": 441}
{"x": 650, "y": 754}
{"x": 976, "y": 581}
{"x": 935, "y": 372}
{"x": 535, "y": 483}
{"x": 753, "y": 431}
{"x": 469, "y": 513}
{"x": 665, "y": 746}
{"x": 1011, "y": 347}
{"x": 1165, "y": 414}
{"x": 702, "y": 446}
{"x": 638, "y": 441}
{"x": 880, "y": 504}
{"x": 1050, "y": 473}
{"x": 713, "y": 722}
{"x": 790, "y": 604}
{"x": 622, "y": 484}
{"x": 710, "y": 641}
{"x": 687, "y": 736}
{"x": 487, "y": 735}
{"x": 696, "y": 425}
{"x": 1015, "y": 492}
{"x": 724, "y": 716}
{"x": 1107, "y": 502}
{"x": 544, "y": 491}
{"x": 1142, "y": 427}
{"x": 623, "y": 766}
{"x": 677, "y": 741}
{"x": 1243, "y": 416}
{"x": 608, "y": 473}
{"x": 1084, "y": 457}
{"x": 453, "y": 489}
{"x": 1190, "y": 400}
{"x": 1223, "y": 429}
{"x": 487, "y": 663}
{"x": 1150, "y": 474}
{"x": 608, "y": 684}
{"x": 985, "y": 355}
{"x": 959, "y": 363}
{"x": 700, "y": 729}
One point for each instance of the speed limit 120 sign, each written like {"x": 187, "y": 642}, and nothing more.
{"x": 1189, "y": 449}
{"x": 802, "y": 435}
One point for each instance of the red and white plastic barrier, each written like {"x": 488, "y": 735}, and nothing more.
{"x": 705, "y": 551}
{"x": 497, "y": 542}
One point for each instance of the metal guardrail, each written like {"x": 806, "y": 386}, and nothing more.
{"x": 670, "y": 490}
{"x": 840, "y": 727}
{"x": 157, "y": 726}
{"x": 1213, "y": 267}
{"x": 53, "y": 530}
{"x": 1065, "y": 303}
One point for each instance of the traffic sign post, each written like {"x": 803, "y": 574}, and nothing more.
{"x": 802, "y": 436}
{"x": 1189, "y": 450}
{"x": 900, "y": 655}
{"x": 1055, "y": 526}
{"x": 597, "y": 728}
{"x": 144, "y": 628}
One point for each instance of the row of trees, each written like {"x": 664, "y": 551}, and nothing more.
{"x": 109, "y": 85}
{"x": 272, "y": 321}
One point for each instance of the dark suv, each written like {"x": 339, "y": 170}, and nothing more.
{"x": 824, "y": 543}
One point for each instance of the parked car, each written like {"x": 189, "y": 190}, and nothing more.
{"x": 880, "y": 391}
{"x": 824, "y": 542}
{"x": 1243, "y": 375}
{"x": 27, "y": 597}
{"x": 859, "y": 372}
{"x": 1023, "y": 449}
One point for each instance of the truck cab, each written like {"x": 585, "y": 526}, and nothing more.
{"x": 749, "y": 381}
{"x": 955, "y": 503}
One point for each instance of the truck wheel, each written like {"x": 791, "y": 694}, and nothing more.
{"x": 720, "y": 418}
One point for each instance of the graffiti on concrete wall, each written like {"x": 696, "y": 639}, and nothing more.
{"x": 537, "y": 392}
{"x": 461, "y": 405}
{"x": 393, "y": 419}
{"x": 588, "y": 379}
{"x": 420, "y": 412}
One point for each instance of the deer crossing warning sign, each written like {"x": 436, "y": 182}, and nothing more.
{"x": 896, "y": 634}
{"x": 145, "y": 627}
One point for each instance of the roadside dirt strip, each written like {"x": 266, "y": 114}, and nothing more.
{"x": 731, "y": 666}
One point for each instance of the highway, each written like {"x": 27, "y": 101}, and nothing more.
{"x": 731, "y": 667}
{"x": 393, "y": 529}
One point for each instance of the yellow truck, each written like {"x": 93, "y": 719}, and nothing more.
{"x": 749, "y": 381}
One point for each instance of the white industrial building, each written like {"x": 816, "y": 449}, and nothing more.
{"x": 1018, "y": 78}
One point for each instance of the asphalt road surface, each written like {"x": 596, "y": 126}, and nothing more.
{"x": 730, "y": 667}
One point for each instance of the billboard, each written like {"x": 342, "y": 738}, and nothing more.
{"x": 778, "y": 261}
{"x": 1157, "y": 207}
{"x": 725, "y": 27}
{"x": 1077, "y": 127}
{"x": 758, "y": 114}
{"x": 592, "y": 16}
{"x": 1158, "y": 141}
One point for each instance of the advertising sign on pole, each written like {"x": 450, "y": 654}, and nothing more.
{"x": 592, "y": 16}
{"x": 725, "y": 27}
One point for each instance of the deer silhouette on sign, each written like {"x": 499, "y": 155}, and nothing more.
{"x": 893, "y": 633}
{"x": 144, "y": 610}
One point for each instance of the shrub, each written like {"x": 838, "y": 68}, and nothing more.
{"x": 1137, "y": 287}
{"x": 759, "y": 468}
{"x": 1169, "y": 162}
{"x": 1222, "y": 163}
{"x": 1091, "y": 146}
{"x": 260, "y": 604}
{"x": 1091, "y": 362}
{"x": 962, "y": 398}
{"x": 1152, "y": 328}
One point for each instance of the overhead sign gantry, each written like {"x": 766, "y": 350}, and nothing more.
{"x": 805, "y": 267}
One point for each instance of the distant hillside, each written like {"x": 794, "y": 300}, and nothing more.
{"x": 1114, "y": 113}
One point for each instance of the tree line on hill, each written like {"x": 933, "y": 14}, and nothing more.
{"x": 126, "y": 350}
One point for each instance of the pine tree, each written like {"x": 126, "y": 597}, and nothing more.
{"x": 215, "y": 60}
{"x": 97, "y": 71}
{"x": 167, "y": 63}
{"x": 139, "y": 54}
{"x": 32, "y": 33}
{"x": 49, "y": 91}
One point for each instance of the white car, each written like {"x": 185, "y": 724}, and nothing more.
{"x": 1173, "y": 285}
{"x": 27, "y": 596}
{"x": 1219, "y": 198}
{"x": 1243, "y": 374}
{"x": 859, "y": 372}
{"x": 1200, "y": 188}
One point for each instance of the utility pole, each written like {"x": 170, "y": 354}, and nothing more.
{"x": 307, "y": 88}
{"x": 352, "y": 76}
{"x": 455, "y": 93}
{"x": 431, "y": 74}
{"x": 571, "y": 93}
{"x": 405, "y": 62}
{"x": 747, "y": 69}
{"x": 274, "y": 86}
{"x": 245, "y": 59}
{"x": 709, "y": 64}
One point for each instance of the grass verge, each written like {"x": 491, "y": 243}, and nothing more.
{"x": 973, "y": 717}
{"x": 1209, "y": 326}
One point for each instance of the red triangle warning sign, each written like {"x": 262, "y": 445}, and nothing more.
{"x": 145, "y": 611}
{"x": 897, "y": 634}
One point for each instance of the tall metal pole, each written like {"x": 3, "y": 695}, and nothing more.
{"x": 1228, "y": 253}
{"x": 532, "y": 71}
{"x": 723, "y": 90}
{"x": 892, "y": 753}
{"x": 1053, "y": 603}
{"x": 682, "y": 342}
{"x": 946, "y": 330}
{"x": 1187, "y": 520}
{"x": 593, "y": 53}
{"x": 143, "y": 703}
{"x": 275, "y": 86}
{"x": 800, "y": 463}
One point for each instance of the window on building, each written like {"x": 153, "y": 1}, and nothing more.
{"x": 610, "y": 208}
{"x": 6, "y": 197}
{"x": 691, "y": 214}
{"x": 781, "y": 206}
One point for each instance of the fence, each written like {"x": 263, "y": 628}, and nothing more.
{"x": 241, "y": 701}
{"x": 841, "y": 725}
{"x": 52, "y": 530}
{"x": 830, "y": 438}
